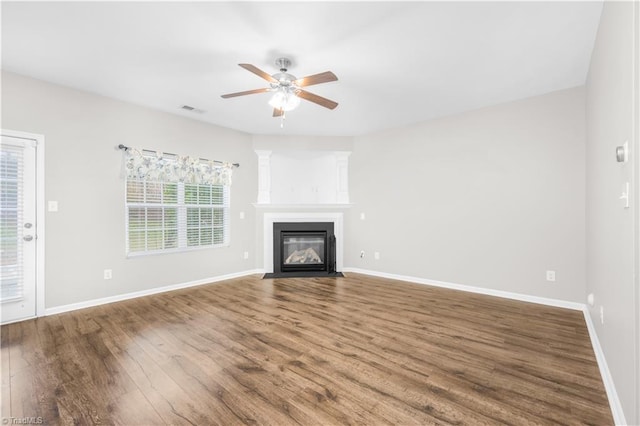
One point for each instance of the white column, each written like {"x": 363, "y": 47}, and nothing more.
{"x": 342, "y": 169}
{"x": 264, "y": 177}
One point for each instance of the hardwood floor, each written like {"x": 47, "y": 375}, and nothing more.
{"x": 310, "y": 351}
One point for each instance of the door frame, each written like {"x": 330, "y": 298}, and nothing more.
{"x": 40, "y": 216}
{"x": 635, "y": 170}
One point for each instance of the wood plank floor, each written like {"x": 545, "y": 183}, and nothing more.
{"x": 309, "y": 351}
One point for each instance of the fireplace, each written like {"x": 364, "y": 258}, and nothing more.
{"x": 303, "y": 249}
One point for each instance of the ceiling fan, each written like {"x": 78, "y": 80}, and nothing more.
{"x": 287, "y": 89}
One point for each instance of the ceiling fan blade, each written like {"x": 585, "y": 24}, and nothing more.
{"x": 327, "y": 103}
{"x": 278, "y": 112}
{"x": 323, "y": 77}
{"x": 247, "y": 92}
{"x": 257, "y": 71}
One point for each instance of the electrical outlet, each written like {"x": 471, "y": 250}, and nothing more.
{"x": 53, "y": 206}
{"x": 241, "y": 215}
{"x": 551, "y": 275}
{"x": 602, "y": 315}
{"x": 362, "y": 216}
{"x": 376, "y": 255}
{"x": 362, "y": 254}
{"x": 107, "y": 274}
{"x": 246, "y": 255}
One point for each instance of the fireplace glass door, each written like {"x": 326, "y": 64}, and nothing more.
{"x": 304, "y": 251}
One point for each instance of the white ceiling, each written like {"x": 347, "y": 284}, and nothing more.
{"x": 397, "y": 63}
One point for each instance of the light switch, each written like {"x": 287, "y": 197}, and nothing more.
{"x": 53, "y": 206}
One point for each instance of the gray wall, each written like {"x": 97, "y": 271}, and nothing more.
{"x": 610, "y": 228}
{"x": 492, "y": 198}
{"x": 83, "y": 173}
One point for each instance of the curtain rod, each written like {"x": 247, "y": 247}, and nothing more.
{"x": 127, "y": 148}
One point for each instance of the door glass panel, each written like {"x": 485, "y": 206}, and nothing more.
{"x": 18, "y": 228}
{"x": 10, "y": 219}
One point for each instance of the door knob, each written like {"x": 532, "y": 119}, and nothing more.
{"x": 28, "y": 237}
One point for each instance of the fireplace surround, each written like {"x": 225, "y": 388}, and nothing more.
{"x": 303, "y": 248}
{"x": 303, "y": 244}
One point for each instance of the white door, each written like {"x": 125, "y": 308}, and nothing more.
{"x": 18, "y": 229}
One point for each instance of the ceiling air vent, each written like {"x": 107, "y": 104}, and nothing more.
{"x": 192, "y": 109}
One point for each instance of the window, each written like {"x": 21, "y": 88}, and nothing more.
{"x": 175, "y": 202}
{"x": 175, "y": 216}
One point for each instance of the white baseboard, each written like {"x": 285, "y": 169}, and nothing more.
{"x": 135, "y": 294}
{"x": 472, "y": 289}
{"x": 607, "y": 380}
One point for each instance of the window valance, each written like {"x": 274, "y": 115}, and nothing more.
{"x": 159, "y": 166}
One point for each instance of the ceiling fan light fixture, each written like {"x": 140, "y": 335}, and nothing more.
{"x": 285, "y": 100}
{"x": 287, "y": 89}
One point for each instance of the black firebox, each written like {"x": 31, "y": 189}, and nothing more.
{"x": 303, "y": 249}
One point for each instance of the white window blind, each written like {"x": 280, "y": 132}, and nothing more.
{"x": 11, "y": 208}
{"x": 175, "y": 216}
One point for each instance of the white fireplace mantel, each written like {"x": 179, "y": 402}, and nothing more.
{"x": 303, "y": 178}
{"x": 304, "y": 207}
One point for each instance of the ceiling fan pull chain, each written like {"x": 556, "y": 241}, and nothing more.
{"x": 282, "y": 120}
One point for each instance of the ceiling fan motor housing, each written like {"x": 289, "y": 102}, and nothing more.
{"x": 284, "y": 79}
{"x": 283, "y": 64}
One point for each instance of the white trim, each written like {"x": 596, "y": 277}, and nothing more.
{"x": 18, "y": 320}
{"x": 142, "y": 293}
{"x": 301, "y": 206}
{"x": 635, "y": 173}
{"x": 40, "y": 215}
{"x": 607, "y": 379}
{"x": 270, "y": 218}
{"x": 264, "y": 176}
{"x": 342, "y": 176}
{"x": 473, "y": 289}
